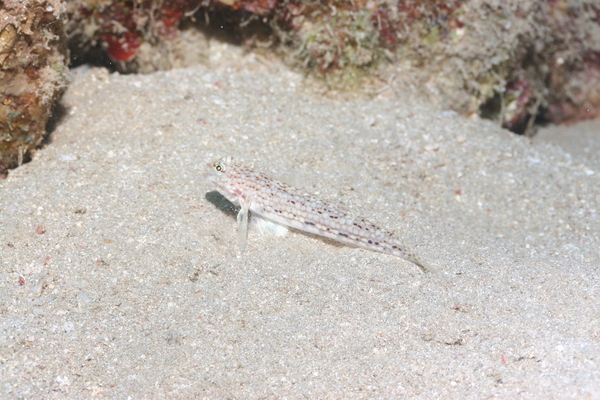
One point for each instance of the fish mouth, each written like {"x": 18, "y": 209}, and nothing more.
{"x": 213, "y": 179}
{"x": 210, "y": 175}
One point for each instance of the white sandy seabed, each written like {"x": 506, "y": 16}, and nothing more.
{"x": 120, "y": 278}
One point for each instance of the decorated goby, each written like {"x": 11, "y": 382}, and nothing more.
{"x": 283, "y": 204}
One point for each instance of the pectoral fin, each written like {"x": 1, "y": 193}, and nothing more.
{"x": 242, "y": 219}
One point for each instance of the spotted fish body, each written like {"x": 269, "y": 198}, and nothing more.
{"x": 286, "y": 205}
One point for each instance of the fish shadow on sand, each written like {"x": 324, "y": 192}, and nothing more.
{"x": 219, "y": 201}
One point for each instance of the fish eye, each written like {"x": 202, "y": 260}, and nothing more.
{"x": 218, "y": 167}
